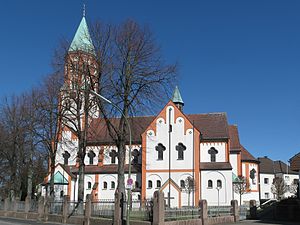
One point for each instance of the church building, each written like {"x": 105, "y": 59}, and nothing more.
{"x": 187, "y": 156}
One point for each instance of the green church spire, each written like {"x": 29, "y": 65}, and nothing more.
{"x": 177, "y": 96}
{"x": 82, "y": 40}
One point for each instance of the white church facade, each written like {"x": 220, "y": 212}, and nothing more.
{"x": 169, "y": 150}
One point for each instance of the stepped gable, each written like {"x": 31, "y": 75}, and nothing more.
{"x": 211, "y": 126}
{"x": 235, "y": 145}
{"x": 246, "y": 156}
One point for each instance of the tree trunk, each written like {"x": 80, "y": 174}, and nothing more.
{"x": 121, "y": 166}
{"x": 52, "y": 170}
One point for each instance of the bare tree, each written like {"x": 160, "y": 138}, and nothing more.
{"x": 189, "y": 187}
{"x": 133, "y": 75}
{"x": 279, "y": 188}
{"x": 241, "y": 186}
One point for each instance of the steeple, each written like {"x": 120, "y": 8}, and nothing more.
{"x": 82, "y": 40}
{"x": 177, "y": 100}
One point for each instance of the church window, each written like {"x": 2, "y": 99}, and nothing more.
{"x": 158, "y": 183}
{"x": 137, "y": 185}
{"x": 112, "y": 185}
{"x": 209, "y": 184}
{"x": 113, "y": 155}
{"x": 91, "y": 156}
{"x": 180, "y": 148}
{"x": 219, "y": 183}
{"x": 213, "y": 152}
{"x": 66, "y": 155}
{"x": 135, "y": 154}
{"x": 182, "y": 184}
{"x": 149, "y": 184}
{"x": 89, "y": 185}
{"x": 104, "y": 185}
{"x": 160, "y": 151}
{"x": 252, "y": 175}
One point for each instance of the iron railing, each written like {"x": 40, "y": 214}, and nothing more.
{"x": 75, "y": 208}
{"x": 103, "y": 208}
{"x": 20, "y": 206}
{"x": 33, "y": 206}
{"x": 214, "y": 211}
{"x": 55, "y": 207}
{"x": 184, "y": 213}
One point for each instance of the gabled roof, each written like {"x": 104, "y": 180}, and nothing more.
{"x": 246, "y": 156}
{"x": 82, "y": 40}
{"x": 269, "y": 166}
{"x": 295, "y": 162}
{"x": 211, "y": 125}
{"x": 234, "y": 138}
{"x": 177, "y": 96}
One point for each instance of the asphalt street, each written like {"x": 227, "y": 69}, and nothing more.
{"x": 13, "y": 221}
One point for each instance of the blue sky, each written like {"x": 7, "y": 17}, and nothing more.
{"x": 239, "y": 57}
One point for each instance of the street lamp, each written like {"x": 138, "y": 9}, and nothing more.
{"x": 130, "y": 145}
{"x": 218, "y": 189}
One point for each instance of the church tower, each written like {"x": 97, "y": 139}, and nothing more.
{"x": 177, "y": 100}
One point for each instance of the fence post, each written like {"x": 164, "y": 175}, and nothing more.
{"x": 7, "y": 203}
{"x": 118, "y": 208}
{"x": 27, "y": 204}
{"x": 253, "y": 212}
{"x": 15, "y": 204}
{"x": 88, "y": 209}
{"x": 204, "y": 211}
{"x": 235, "y": 210}
{"x": 158, "y": 208}
{"x": 65, "y": 209}
{"x": 41, "y": 210}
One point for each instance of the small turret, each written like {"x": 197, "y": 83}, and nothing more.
{"x": 177, "y": 100}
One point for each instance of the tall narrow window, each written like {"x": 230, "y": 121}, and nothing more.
{"x": 160, "y": 151}
{"x": 209, "y": 184}
{"x": 182, "y": 184}
{"x": 158, "y": 183}
{"x": 252, "y": 175}
{"x": 66, "y": 155}
{"x": 113, "y": 155}
{"x": 213, "y": 152}
{"x": 219, "y": 183}
{"x": 137, "y": 185}
{"x": 104, "y": 185}
{"x": 149, "y": 184}
{"x": 180, "y": 148}
{"x": 89, "y": 185}
{"x": 112, "y": 185}
{"x": 91, "y": 156}
{"x": 135, "y": 154}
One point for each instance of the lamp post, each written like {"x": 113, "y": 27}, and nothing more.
{"x": 130, "y": 145}
{"x": 218, "y": 189}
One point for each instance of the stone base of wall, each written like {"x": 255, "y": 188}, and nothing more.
{"x": 76, "y": 220}
{"x": 184, "y": 222}
{"x": 217, "y": 220}
{"x": 55, "y": 218}
{"x": 102, "y": 221}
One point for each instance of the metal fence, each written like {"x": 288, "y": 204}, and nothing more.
{"x": 141, "y": 211}
{"x": 56, "y": 207}
{"x": 214, "y": 211}
{"x": 184, "y": 213}
{"x": 1, "y": 205}
{"x": 20, "y": 206}
{"x": 33, "y": 206}
{"x": 103, "y": 208}
{"x": 76, "y": 208}
{"x": 244, "y": 211}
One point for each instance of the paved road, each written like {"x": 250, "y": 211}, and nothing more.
{"x": 258, "y": 222}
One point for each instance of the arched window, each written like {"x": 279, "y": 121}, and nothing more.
{"x": 160, "y": 151}
{"x": 66, "y": 155}
{"x": 149, "y": 184}
{"x": 219, "y": 183}
{"x": 89, "y": 185}
{"x": 252, "y": 175}
{"x": 182, "y": 184}
{"x": 137, "y": 185}
{"x": 158, "y": 183}
{"x": 112, "y": 185}
{"x": 180, "y": 148}
{"x": 91, "y": 156}
{"x": 113, "y": 155}
{"x": 135, "y": 154}
{"x": 104, "y": 185}
{"x": 209, "y": 184}
{"x": 213, "y": 152}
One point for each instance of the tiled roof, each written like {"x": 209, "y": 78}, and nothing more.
{"x": 295, "y": 162}
{"x": 246, "y": 156}
{"x": 234, "y": 138}
{"x": 211, "y": 126}
{"x": 105, "y": 169}
{"x": 215, "y": 166}
{"x": 269, "y": 166}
